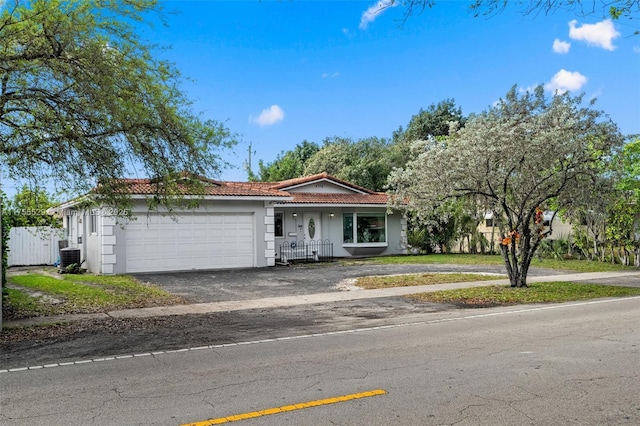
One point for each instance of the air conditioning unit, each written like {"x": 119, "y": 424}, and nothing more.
{"x": 69, "y": 256}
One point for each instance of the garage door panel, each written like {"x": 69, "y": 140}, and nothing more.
{"x": 199, "y": 219}
{"x": 195, "y": 241}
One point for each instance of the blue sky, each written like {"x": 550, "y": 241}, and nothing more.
{"x": 280, "y": 72}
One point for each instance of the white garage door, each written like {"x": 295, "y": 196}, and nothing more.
{"x": 196, "y": 241}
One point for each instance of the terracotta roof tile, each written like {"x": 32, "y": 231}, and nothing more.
{"x": 213, "y": 188}
{"x": 315, "y": 198}
{"x": 298, "y": 181}
{"x": 273, "y": 189}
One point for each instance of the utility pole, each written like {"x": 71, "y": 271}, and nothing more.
{"x": 249, "y": 150}
{"x": 247, "y": 164}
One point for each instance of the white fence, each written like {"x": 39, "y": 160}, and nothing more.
{"x": 34, "y": 245}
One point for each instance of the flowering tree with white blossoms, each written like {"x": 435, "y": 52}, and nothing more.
{"x": 522, "y": 156}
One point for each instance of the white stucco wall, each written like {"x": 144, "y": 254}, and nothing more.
{"x": 332, "y": 228}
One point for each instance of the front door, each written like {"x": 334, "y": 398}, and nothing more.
{"x": 312, "y": 227}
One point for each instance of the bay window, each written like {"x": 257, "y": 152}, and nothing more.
{"x": 364, "y": 228}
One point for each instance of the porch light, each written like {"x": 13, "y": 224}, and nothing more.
{"x": 331, "y": 215}
{"x": 294, "y": 214}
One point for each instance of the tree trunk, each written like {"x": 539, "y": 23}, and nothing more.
{"x": 516, "y": 271}
{"x": 493, "y": 241}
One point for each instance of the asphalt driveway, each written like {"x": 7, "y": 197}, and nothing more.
{"x": 300, "y": 279}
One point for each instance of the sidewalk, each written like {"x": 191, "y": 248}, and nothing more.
{"x": 310, "y": 299}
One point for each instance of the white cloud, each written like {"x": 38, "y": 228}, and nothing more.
{"x": 561, "y": 46}
{"x": 600, "y": 34}
{"x": 269, "y": 116}
{"x": 330, "y": 74}
{"x": 564, "y": 81}
{"x": 374, "y": 11}
{"x": 636, "y": 49}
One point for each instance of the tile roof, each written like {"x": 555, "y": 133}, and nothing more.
{"x": 316, "y": 198}
{"x": 273, "y": 189}
{"x": 211, "y": 188}
{"x": 305, "y": 179}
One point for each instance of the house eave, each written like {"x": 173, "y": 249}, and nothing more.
{"x": 302, "y": 185}
{"x": 221, "y": 197}
{"x": 328, "y": 205}
{"x": 68, "y": 205}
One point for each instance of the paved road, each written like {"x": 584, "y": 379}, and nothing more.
{"x": 574, "y": 363}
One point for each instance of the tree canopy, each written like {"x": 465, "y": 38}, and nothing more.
{"x": 603, "y": 8}
{"x": 365, "y": 162}
{"x": 434, "y": 121}
{"x": 368, "y": 161}
{"x": 84, "y": 101}
{"x": 29, "y": 208}
{"x": 515, "y": 160}
{"x": 288, "y": 165}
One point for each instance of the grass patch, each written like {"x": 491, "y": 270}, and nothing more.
{"x": 22, "y": 305}
{"x": 480, "y": 259}
{"x": 551, "y": 292}
{"x": 35, "y": 295}
{"x": 421, "y": 279}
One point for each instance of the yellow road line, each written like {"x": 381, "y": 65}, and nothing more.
{"x": 285, "y": 408}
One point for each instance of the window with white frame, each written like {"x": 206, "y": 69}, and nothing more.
{"x": 364, "y": 228}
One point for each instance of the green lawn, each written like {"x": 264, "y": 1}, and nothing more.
{"x": 42, "y": 294}
{"x": 496, "y": 295}
{"x": 480, "y": 259}
{"x": 551, "y": 292}
{"x": 36, "y": 294}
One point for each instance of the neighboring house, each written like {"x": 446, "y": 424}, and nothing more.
{"x": 560, "y": 228}
{"x": 237, "y": 225}
{"x": 486, "y": 228}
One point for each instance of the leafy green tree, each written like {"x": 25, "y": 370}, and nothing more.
{"x": 29, "y": 208}
{"x": 628, "y": 164}
{"x": 589, "y": 221}
{"x": 443, "y": 227}
{"x": 363, "y": 162}
{"x": 606, "y": 220}
{"x": 623, "y": 224}
{"x": 435, "y": 122}
{"x": 513, "y": 160}
{"x": 84, "y": 101}
{"x": 287, "y": 165}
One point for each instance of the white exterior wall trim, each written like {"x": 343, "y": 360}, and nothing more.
{"x": 269, "y": 236}
{"x": 107, "y": 245}
{"x": 328, "y": 205}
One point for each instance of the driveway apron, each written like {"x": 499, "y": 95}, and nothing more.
{"x": 301, "y": 279}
